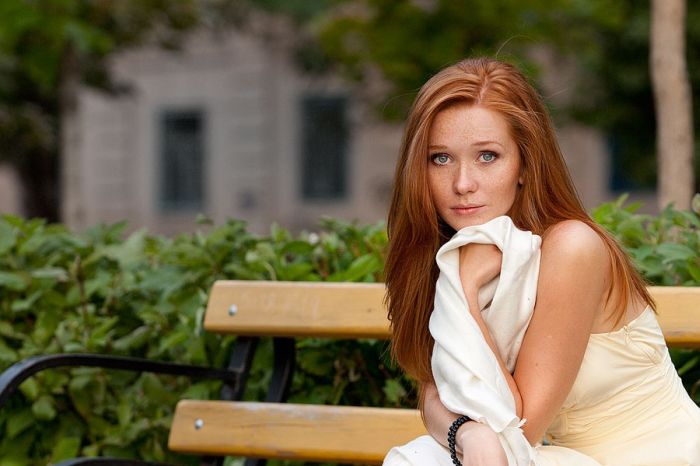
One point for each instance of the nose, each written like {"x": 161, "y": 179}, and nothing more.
{"x": 464, "y": 181}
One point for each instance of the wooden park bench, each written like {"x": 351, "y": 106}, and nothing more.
{"x": 276, "y": 430}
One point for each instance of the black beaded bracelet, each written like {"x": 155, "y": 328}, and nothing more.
{"x": 452, "y": 442}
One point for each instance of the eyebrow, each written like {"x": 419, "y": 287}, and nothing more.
{"x": 486, "y": 143}
{"x": 479, "y": 143}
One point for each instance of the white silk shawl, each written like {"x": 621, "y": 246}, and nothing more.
{"x": 466, "y": 371}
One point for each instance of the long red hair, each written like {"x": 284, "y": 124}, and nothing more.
{"x": 415, "y": 230}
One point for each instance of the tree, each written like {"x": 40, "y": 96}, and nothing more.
{"x": 50, "y": 47}
{"x": 672, "y": 95}
{"x": 406, "y": 41}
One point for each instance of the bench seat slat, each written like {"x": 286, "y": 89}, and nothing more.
{"x": 292, "y": 431}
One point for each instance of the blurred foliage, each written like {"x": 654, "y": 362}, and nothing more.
{"x": 45, "y": 44}
{"x": 398, "y": 43}
{"x": 404, "y": 42}
{"x": 665, "y": 248}
{"x": 144, "y": 295}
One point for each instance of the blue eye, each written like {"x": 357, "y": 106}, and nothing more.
{"x": 440, "y": 159}
{"x": 487, "y": 156}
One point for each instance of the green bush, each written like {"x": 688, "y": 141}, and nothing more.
{"x": 144, "y": 295}
{"x": 666, "y": 250}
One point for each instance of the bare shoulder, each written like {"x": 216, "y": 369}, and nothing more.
{"x": 575, "y": 276}
{"x": 574, "y": 240}
{"x": 575, "y": 258}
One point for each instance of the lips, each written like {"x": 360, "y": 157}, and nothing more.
{"x": 467, "y": 209}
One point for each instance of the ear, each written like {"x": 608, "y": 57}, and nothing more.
{"x": 520, "y": 180}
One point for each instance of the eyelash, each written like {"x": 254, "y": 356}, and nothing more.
{"x": 433, "y": 157}
{"x": 495, "y": 155}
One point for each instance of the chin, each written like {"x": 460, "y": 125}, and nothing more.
{"x": 461, "y": 222}
{"x": 469, "y": 223}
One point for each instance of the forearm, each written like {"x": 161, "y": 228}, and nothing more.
{"x": 476, "y": 443}
{"x": 501, "y": 364}
{"x": 478, "y": 265}
{"x": 436, "y": 416}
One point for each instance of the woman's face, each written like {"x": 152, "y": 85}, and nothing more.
{"x": 473, "y": 165}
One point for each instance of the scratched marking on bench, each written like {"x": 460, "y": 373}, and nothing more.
{"x": 281, "y": 302}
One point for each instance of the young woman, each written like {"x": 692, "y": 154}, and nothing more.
{"x": 593, "y": 373}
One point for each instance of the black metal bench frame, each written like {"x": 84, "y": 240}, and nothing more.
{"x": 234, "y": 377}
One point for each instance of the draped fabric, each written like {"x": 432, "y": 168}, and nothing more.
{"x": 466, "y": 372}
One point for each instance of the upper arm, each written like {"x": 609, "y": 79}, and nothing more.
{"x": 573, "y": 280}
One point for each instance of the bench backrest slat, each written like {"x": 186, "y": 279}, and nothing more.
{"x": 679, "y": 314}
{"x": 356, "y": 310}
{"x": 339, "y": 310}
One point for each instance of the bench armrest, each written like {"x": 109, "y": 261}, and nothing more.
{"x": 11, "y": 378}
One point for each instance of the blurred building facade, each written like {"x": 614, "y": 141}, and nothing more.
{"x": 230, "y": 128}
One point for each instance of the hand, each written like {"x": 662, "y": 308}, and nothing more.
{"x": 480, "y": 446}
{"x": 478, "y": 265}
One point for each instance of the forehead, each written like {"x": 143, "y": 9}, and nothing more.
{"x": 474, "y": 123}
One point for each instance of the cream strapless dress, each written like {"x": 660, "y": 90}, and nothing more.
{"x": 627, "y": 407}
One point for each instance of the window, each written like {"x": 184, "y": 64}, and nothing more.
{"x": 182, "y": 160}
{"x": 324, "y": 147}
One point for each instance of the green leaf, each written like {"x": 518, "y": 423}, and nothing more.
{"x": 197, "y": 391}
{"x": 30, "y": 388}
{"x": 8, "y": 330}
{"x": 293, "y": 272}
{"x": 124, "y": 412}
{"x": 297, "y": 247}
{"x": 133, "y": 340}
{"x": 19, "y": 421}
{"x": 7, "y": 237}
{"x": 81, "y": 402}
{"x": 689, "y": 364}
{"x": 14, "y": 460}
{"x": 21, "y": 305}
{"x": 203, "y": 220}
{"x": 316, "y": 361}
{"x": 153, "y": 389}
{"x": 695, "y": 203}
{"x": 91, "y": 450}
{"x": 55, "y": 273}
{"x": 66, "y": 448}
{"x": 13, "y": 280}
{"x": 394, "y": 391}
{"x": 7, "y": 354}
{"x": 358, "y": 269}
{"x": 129, "y": 253}
{"x": 136, "y": 429}
{"x": 80, "y": 381}
{"x": 694, "y": 270}
{"x": 676, "y": 252}
{"x": 44, "y": 409}
{"x": 100, "y": 337}
{"x": 175, "y": 338}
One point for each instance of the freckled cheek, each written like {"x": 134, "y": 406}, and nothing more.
{"x": 440, "y": 199}
{"x": 505, "y": 181}
{"x": 440, "y": 182}
{"x": 438, "y": 187}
